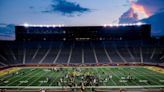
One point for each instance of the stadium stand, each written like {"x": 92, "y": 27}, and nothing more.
{"x": 87, "y": 46}
{"x": 78, "y": 53}
{"x": 82, "y": 45}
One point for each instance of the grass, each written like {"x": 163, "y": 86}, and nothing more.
{"x": 37, "y": 77}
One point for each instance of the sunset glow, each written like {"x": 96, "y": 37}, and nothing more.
{"x": 139, "y": 9}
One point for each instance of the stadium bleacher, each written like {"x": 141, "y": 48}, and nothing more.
{"x": 81, "y": 52}
{"x": 82, "y": 45}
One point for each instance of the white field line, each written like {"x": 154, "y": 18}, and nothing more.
{"x": 60, "y": 87}
{"x": 113, "y": 82}
{"x": 120, "y": 78}
{"x": 154, "y": 78}
{"x": 134, "y": 76}
{"x": 20, "y": 78}
{"x": 6, "y": 77}
{"x": 146, "y": 78}
{"x": 50, "y": 75}
{"x": 98, "y": 73}
{"x": 55, "y": 78}
{"x": 41, "y": 75}
{"x": 31, "y": 77}
{"x": 140, "y": 75}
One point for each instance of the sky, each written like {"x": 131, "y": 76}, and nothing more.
{"x": 67, "y": 12}
{"x": 79, "y": 13}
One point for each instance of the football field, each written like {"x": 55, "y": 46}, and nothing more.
{"x": 99, "y": 77}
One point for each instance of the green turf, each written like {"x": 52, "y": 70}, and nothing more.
{"x": 37, "y": 77}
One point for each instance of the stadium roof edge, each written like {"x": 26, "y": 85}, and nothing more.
{"x": 62, "y": 25}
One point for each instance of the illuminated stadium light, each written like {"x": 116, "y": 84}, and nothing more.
{"x": 40, "y": 25}
{"x": 140, "y": 23}
{"x": 26, "y": 25}
{"x": 53, "y": 25}
{"x": 105, "y": 25}
{"x": 126, "y": 24}
{"x": 48, "y": 25}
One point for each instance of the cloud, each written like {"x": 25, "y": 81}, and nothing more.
{"x": 128, "y": 17}
{"x": 66, "y": 8}
{"x": 150, "y": 7}
{"x": 7, "y": 31}
{"x": 142, "y": 9}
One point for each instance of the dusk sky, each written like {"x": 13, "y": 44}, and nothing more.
{"x": 67, "y": 12}
{"x": 80, "y": 13}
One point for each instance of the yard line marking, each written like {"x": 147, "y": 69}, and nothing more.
{"x": 53, "y": 76}
{"x": 122, "y": 75}
{"x": 113, "y": 81}
{"x": 41, "y": 75}
{"x": 115, "y": 76}
{"x": 31, "y": 77}
{"x": 140, "y": 75}
{"x": 7, "y": 72}
{"x": 49, "y": 75}
{"x": 9, "y": 77}
{"x": 20, "y": 78}
{"x": 154, "y": 73}
{"x": 98, "y": 73}
{"x": 147, "y": 78}
{"x": 134, "y": 76}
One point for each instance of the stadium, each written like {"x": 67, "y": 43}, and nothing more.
{"x": 58, "y": 58}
